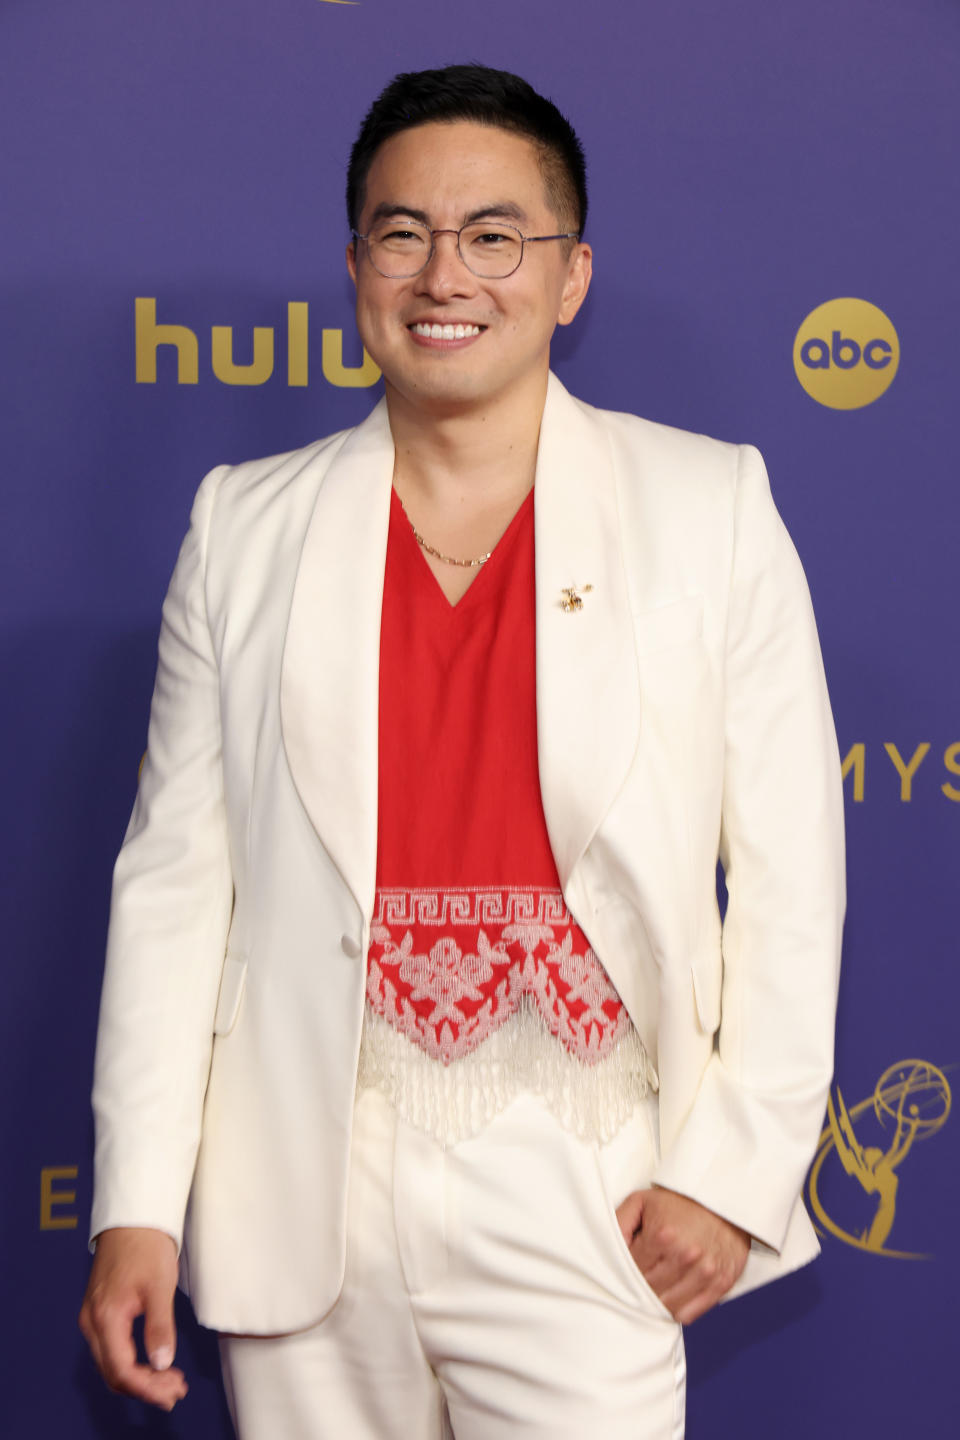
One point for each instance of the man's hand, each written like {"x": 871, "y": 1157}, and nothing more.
{"x": 688, "y": 1255}
{"x": 134, "y": 1273}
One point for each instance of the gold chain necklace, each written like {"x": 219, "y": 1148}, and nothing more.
{"x": 447, "y": 559}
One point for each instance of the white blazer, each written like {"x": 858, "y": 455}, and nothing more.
{"x": 682, "y": 714}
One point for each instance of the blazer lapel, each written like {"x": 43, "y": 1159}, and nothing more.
{"x": 329, "y": 687}
{"x": 588, "y": 695}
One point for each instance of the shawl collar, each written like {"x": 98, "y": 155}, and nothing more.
{"x": 329, "y": 685}
{"x": 588, "y": 694}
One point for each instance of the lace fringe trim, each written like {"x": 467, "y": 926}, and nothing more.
{"x": 454, "y": 1102}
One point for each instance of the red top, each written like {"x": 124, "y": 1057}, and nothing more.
{"x": 469, "y": 915}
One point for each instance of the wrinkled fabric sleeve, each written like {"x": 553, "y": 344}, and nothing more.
{"x": 169, "y": 919}
{"x": 752, "y": 1130}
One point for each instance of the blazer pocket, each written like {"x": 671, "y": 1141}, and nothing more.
{"x": 232, "y": 982}
{"x": 671, "y": 625}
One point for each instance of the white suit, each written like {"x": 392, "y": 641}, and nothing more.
{"x": 682, "y": 713}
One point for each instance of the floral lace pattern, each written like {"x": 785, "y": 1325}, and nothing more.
{"x": 447, "y": 968}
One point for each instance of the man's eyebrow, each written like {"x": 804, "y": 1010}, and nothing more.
{"x": 389, "y": 210}
{"x": 502, "y": 210}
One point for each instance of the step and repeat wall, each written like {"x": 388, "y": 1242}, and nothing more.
{"x": 774, "y": 216}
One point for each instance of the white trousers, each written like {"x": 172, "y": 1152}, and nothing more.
{"x": 489, "y": 1295}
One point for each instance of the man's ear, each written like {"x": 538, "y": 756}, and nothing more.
{"x": 577, "y": 283}
{"x": 352, "y": 260}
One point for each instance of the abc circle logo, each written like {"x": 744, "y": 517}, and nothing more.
{"x": 846, "y": 353}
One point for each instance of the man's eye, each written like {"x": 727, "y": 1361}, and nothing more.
{"x": 491, "y": 239}
{"x": 397, "y": 238}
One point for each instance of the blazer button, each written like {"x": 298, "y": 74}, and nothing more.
{"x": 350, "y": 947}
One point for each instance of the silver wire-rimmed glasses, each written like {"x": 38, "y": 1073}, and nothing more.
{"x": 400, "y": 249}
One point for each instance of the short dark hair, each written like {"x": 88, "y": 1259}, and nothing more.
{"x": 486, "y": 97}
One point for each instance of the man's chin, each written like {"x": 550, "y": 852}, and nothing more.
{"x": 439, "y": 393}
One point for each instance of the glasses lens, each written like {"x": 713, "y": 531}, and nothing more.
{"x": 398, "y": 248}
{"x": 493, "y": 251}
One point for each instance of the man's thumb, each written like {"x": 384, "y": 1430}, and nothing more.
{"x": 630, "y": 1214}
{"x": 159, "y": 1332}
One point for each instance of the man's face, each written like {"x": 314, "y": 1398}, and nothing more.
{"x": 450, "y": 174}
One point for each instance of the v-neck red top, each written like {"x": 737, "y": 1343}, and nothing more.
{"x": 470, "y": 922}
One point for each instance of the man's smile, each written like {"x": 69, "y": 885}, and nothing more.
{"x": 433, "y": 333}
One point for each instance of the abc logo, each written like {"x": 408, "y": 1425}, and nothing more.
{"x": 846, "y": 353}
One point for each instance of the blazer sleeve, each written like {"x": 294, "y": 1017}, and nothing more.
{"x": 169, "y": 918}
{"x": 752, "y": 1130}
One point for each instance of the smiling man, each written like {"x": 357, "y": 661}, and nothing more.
{"x": 464, "y": 269}
{"x": 420, "y": 1030}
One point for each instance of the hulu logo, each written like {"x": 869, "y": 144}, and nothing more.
{"x": 150, "y": 336}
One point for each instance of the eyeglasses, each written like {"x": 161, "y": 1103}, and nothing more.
{"x": 401, "y": 249}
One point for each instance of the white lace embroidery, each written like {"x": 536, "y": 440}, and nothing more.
{"x": 507, "y": 997}
{"x": 448, "y": 993}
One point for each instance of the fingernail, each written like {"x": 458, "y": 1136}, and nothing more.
{"x": 162, "y": 1357}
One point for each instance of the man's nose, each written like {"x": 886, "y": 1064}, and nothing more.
{"x": 445, "y": 273}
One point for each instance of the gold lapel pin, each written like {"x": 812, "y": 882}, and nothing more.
{"x": 572, "y": 599}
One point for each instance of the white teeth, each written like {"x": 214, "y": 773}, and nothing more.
{"x": 445, "y": 332}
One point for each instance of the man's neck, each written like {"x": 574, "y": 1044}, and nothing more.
{"x": 469, "y": 459}
{"x": 462, "y": 473}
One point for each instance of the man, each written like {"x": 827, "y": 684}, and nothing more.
{"x": 416, "y": 985}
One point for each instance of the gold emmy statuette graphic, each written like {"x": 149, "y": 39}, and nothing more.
{"x": 910, "y": 1102}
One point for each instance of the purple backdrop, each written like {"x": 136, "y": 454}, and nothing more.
{"x": 748, "y": 162}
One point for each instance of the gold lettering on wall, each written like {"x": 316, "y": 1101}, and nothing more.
{"x": 951, "y": 759}
{"x": 298, "y": 337}
{"x": 149, "y": 336}
{"x": 855, "y": 760}
{"x": 226, "y": 369}
{"x": 52, "y": 1198}
{"x": 854, "y": 764}
{"x": 906, "y": 769}
{"x": 334, "y": 369}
